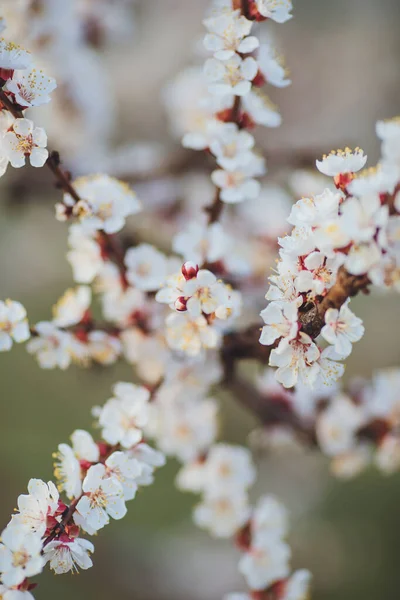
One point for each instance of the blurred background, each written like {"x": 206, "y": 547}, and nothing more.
{"x": 344, "y": 58}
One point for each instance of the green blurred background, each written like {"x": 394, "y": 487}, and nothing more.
{"x": 345, "y": 57}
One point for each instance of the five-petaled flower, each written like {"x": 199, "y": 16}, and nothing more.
{"x": 103, "y": 497}
{"x": 25, "y": 140}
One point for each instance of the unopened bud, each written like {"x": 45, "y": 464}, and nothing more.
{"x": 180, "y": 304}
{"x": 190, "y": 270}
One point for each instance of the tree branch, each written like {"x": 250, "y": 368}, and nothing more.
{"x": 270, "y": 410}
{"x": 240, "y": 345}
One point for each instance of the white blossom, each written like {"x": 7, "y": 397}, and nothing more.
{"x": 105, "y": 203}
{"x": 378, "y": 180}
{"x": 13, "y": 324}
{"x": 362, "y": 257}
{"x": 331, "y": 235}
{"x": 147, "y": 267}
{"x": 190, "y": 335}
{"x": 297, "y": 586}
{"x": 103, "y": 347}
{"x": 336, "y": 426}
{"x": 342, "y": 328}
{"x": 232, "y": 76}
{"x": 265, "y": 562}
{"x": 123, "y": 416}
{"x": 149, "y": 459}
{"x": 184, "y": 429}
{"x": 281, "y": 321}
{"x": 232, "y": 147}
{"x": 260, "y": 108}
{"x": 222, "y": 513}
{"x": 229, "y": 33}
{"x": 67, "y": 470}
{"x": 329, "y": 369}
{"x": 14, "y": 594}
{"x": 191, "y": 477}
{"x": 315, "y": 210}
{"x": 297, "y": 361}
{"x": 31, "y": 88}
{"x": 269, "y": 518}
{"x": 25, "y": 140}
{"x": 13, "y": 57}
{"x": 103, "y": 498}
{"x": 64, "y": 555}
{"x": 84, "y": 446}
{"x": 72, "y": 306}
{"x": 342, "y": 161}
{"x": 205, "y": 294}
{"x": 277, "y": 10}
{"x": 362, "y": 216}
{"x": 272, "y": 66}
{"x": 84, "y": 255}
{"x": 228, "y": 468}
{"x": 52, "y": 346}
{"x": 127, "y": 470}
{"x": 124, "y": 305}
{"x": 300, "y": 242}
{"x": 196, "y": 291}
{"x": 192, "y": 109}
{"x": 36, "y": 506}
{"x": 239, "y": 185}
{"x": 19, "y": 555}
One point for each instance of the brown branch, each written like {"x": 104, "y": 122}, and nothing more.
{"x": 270, "y": 410}
{"x": 14, "y": 109}
{"x": 346, "y": 286}
{"x": 240, "y": 345}
{"x": 53, "y": 163}
{"x": 214, "y": 209}
{"x": 65, "y": 520}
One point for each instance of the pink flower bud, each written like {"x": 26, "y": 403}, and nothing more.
{"x": 189, "y": 270}
{"x": 180, "y": 304}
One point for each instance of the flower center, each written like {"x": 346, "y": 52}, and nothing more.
{"x": 98, "y": 498}
{"x": 20, "y": 558}
{"x": 25, "y": 144}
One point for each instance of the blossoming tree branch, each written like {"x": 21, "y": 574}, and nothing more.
{"x": 181, "y": 320}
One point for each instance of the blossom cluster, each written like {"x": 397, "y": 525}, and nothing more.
{"x": 354, "y": 427}
{"x": 343, "y": 239}
{"x": 65, "y": 38}
{"x": 200, "y": 302}
{"x": 184, "y": 424}
{"x": 97, "y": 478}
{"x": 168, "y": 315}
{"x": 235, "y": 102}
{"x": 360, "y": 427}
{"x": 24, "y": 86}
{"x": 227, "y": 98}
{"x": 72, "y": 337}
